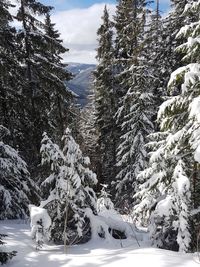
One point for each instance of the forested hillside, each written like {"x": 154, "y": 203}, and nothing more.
{"x": 82, "y": 80}
{"x": 134, "y": 148}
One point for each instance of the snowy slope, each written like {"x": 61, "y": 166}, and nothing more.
{"x": 87, "y": 255}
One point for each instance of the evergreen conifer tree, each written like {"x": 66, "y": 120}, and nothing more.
{"x": 17, "y": 190}
{"x": 135, "y": 114}
{"x": 44, "y": 76}
{"x": 175, "y": 20}
{"x": 60, "y": 97}
{"x": 32, "y": 58}
{"x": 137, "y": 124}
{"x": 155, "y": 47}
{"x": 105, "y": 102}
{"x": 69, "y": 188}
{"x": 129, "y": 23}
{"x": 172, "y": 174}
{"x": 11, "y": 81}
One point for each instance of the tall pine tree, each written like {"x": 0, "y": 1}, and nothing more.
{"x": 135, "y": 113}
{"x": 11, "y": 77}
{"x": 105, "y": 102}
{"x": 44, "y": 89}
{"x": 60, "y": 97}
{"x": 155, "y": 47}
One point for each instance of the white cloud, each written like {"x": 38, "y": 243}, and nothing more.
{"x": 82, "y": 54}
{"x": 78, "y": 29}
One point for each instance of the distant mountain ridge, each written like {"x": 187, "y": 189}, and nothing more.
{"x": 82, "y": 80}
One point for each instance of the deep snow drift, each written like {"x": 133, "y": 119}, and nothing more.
{"x": 92, "y": 254}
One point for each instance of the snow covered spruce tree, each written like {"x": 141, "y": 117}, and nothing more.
{"x": 135, "y": 114}
{"x": 68, "y": 189}
{"x": 32, "y": 59}
{"x": 105, "y": 101}
{"x": 129, "y": 24}
{"x": 17, "y": 190}
{"x": 136, "y": 125}
{"x": 6, "y": 33}
{"x": 44, "y": 89}
{"x": 11, "y": 99}
{"x": 125, "y": 45}
{"x": 155, "y": 47}
{"x": 172, "y": 24}
{"x": 160, "y": 45}
{"x": 168, "y": 194}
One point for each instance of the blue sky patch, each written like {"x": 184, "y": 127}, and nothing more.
{"x": 71, "y": 4}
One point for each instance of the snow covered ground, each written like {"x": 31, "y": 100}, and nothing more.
{"x": 92, "y": 254}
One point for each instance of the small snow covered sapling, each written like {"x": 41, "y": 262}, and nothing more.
{"x": 104, "y": 202}
{"x": 69, "y": 189}
{"x": 40, "y": 224}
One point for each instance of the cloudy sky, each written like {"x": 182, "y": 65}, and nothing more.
{"x": 78, "y": 21}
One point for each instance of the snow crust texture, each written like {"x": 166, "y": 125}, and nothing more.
{"x": 93, "y": 254}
